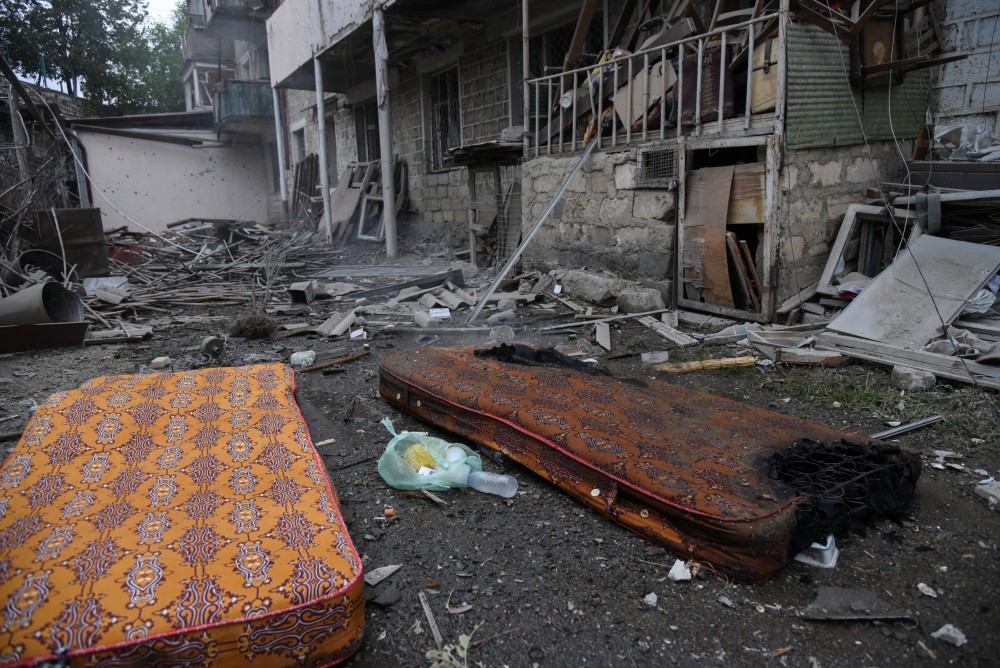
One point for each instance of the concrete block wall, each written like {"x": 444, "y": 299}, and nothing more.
{"x": 968, "y": 91}
{"x": 817, "y": 186}
{"x": 483, "y": 80}
{"x": 603, "y": 222}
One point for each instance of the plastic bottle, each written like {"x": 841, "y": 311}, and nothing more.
{"x": 493, "y": 483}
{"x": 490, "y": 483}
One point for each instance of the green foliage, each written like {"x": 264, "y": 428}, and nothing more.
{"x": 106, "y": 50}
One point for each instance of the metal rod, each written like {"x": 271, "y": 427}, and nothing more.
{"x": 562, "y": 93}
{"x": 628, "y": 116}
{"x": 663, "y": 93}
{"x": 614, "y": 126}
{"x": 384, "y": 132}
{"x": 600, "y": 97}
{"x": 722, "y": 79}
{"x": 680, "y": 88}
{"x": 697, "y": 88}
{"x": 645, "y": 97}
{"x": 903, "y": 428}
{"x": 749, "y": 102}
{"x": 529, "y": 236}
{"x": 525, "y": 86}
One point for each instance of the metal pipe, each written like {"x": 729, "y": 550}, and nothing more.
{"x": 680, "y": 88}
{"x": 324, "y": 176}
{"x": 525, "y": 74}
{"x": 697, "y": 88}
{"x": 279, "y": 137}
{"x": 645, "y": 96}
{"x": 749, "y": 102}
{"x": 722, "y": 79}
{"x": 903, "y": 428}
{"x": 384, "y": 131}
{"x": 516, "y": 255}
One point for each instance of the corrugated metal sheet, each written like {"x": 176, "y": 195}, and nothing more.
{"x": 819, "y": 108}
{"x": 909, "y": 104}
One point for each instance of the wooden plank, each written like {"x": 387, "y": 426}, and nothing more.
{"x": 455, "y": 276}
{"x": 666, "y": 331}
{"x": 751, "y": 265}
{"x": 944, "y": 366}
{"x": 901, "y": 310}
{"x": 808, "y": 356}
{"x": 704, "y": 231}
{"x": 840, "y": 250}
{"x": 795, "y": 300}
{"x": 742, "y": 273}
{"x": 746, "y": 200}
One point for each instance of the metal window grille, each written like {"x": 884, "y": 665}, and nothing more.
{"x": 657, "y": 166}
{"x": 445, "y": 112}
{"x": 366, "y": 131}
{"x": 495, "y": 202}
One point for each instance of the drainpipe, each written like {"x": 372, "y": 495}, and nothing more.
{"x": 324, "y": 175}
{"x": 279, "y": 148}
{"x": 525, "y": 72}
{"x": 384, "y": 130}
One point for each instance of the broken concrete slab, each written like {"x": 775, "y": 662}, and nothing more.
{"x": 592, "y": 287}
{"x": 639, "y": 300}
{"x": 666, "y": 331}
{"x": 848, "y": 604}
{"x": 912, "y": 380}
{"x": 337, "y": 324}
{"x": 424, "y": 319}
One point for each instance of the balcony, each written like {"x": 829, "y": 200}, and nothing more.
{"x": 246, "y": 107}
{"x": 196, "y": 46}
{"x": 233, "y": 19}
{"x": 685, "y": 88}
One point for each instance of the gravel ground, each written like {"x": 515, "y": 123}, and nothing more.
{"x": 540, "y": 580}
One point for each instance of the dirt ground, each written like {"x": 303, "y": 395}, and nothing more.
{"x": 540, "y": 580}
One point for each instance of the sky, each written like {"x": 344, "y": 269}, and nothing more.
{"x": 160, "y": 9}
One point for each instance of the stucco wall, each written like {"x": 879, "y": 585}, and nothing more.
{"x": 156, "y": 183}
{"x": 603, "y": 221}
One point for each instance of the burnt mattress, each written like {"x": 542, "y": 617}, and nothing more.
{"x": 174, "y": 519}
{"x": 739, "y": 488}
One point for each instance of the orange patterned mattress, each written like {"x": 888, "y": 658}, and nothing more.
{"x": 175, "y": 519}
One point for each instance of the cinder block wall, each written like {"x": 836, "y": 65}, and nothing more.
{"x": 603, "y": 221}
{"x": 968, "y": 91}
{"x": 817, "y": 187}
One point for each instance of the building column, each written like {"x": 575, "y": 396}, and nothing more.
{"x": 324, "y": 174}
{"x": 384, "y": 130}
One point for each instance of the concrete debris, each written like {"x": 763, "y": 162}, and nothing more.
{"x": 726, "y": 601}
{"x": 912, "y": 380}
{"x": 501, "y": 318}
{"x": 655, "y": 357}
{"x": 650, "y": 599}
{"x": 926, "y": 590}
{"x": 423, "y": 319}
{"x": 592, "y": 287}
{"x": 639, "y": 300}
{"x": 679, "y": 572}
{"x": 991, "y": 492}
{"x": 161, "y": 362}
{"x": 602, "y": 332}
{"x": 468, "y": 269}
{"x": 303, "y": 358}
{"x": 950, "y": 633}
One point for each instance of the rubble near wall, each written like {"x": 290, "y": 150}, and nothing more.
{"x": 603, "y": 221}
{"x": 816, "y": 188}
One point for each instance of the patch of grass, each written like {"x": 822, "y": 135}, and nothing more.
{"x": 867, "y": 392}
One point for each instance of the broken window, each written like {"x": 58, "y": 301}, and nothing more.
{"x": 366, "y": 131}
{"x": 443, "y": 116}
{"x": 298, "y": 145}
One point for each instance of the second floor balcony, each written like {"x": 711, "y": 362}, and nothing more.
{"x": 231, "y": 19}
{"x": 244, "y": 107}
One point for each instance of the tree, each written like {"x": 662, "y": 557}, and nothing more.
{"x": 106, "y": 50}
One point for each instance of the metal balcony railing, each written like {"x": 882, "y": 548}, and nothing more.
{"x": 239, "y": 101}
{"x": 685, "y": 87}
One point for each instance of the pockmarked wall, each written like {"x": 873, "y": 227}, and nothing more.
{"x": 156, "y": 183}
{"x": 603, "y": 222}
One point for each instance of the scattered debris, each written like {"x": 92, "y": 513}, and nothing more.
{"x": 679, "y": 572}
{"x": 912, "y": 380}
{"x": 650, "y": 599}
{"x": 706, "y": 365}
{"x": 376, "y": 575}
{"x": 951, "y": 634}
{"x": 431, "y": 622}
{"x": 991, "y": 492}
{"x": 655, "y": 357}
{"x": 160, "y": 362}
{"x": 821, "y": 555}
{"x": 927, "y": 590}
{"x": 726, "y": 601}
{"x": 898, "y": 429}
{"x": 303, "y": 358}
{"x": 845, "y": 604}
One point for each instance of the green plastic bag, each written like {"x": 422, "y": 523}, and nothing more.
{"x": 441, "y": 475}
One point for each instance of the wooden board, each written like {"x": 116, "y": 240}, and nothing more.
{"x": 746, "y": 200}
{"x": 705, "y": 254}
{"x": 897, "y": 309}
{"x": 943, "y": 366}
{"x": 840, "y": 250}
{"x": 744, "y": 282}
